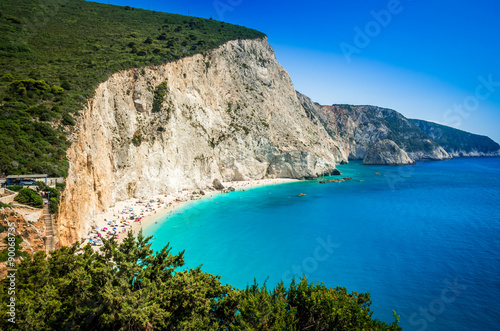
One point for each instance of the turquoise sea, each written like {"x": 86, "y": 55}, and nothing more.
{"x": 423, "y": 239}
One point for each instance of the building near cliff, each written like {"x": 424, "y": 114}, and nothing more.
{"x": 24, "y": 179}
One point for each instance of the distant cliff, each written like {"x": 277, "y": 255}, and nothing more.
{"x": 457, "y": 142}
{"x": 357, "y": 128}
{"x": 229, "y": 114}
{"x": 386, "y": 152}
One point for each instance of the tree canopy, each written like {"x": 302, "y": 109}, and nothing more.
{"x": 129, "y": 287}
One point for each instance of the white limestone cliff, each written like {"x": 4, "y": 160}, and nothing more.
{"x": 387, "y": 152}
{"x": 231, "y": 114}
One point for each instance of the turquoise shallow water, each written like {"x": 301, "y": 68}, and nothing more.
{"x": 423, "y": 240}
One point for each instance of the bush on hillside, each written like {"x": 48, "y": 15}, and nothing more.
{"x": 42, "y": 187}
{"x": 54, "y": 205}
{"x": 15, "y": 188}
{"x": 29, "y": 197}
{"x": 4, "y": 255}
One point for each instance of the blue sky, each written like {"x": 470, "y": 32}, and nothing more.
{"x": 428, "y": 60}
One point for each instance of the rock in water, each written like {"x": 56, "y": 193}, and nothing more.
{"x": 336, "y": 172}
{"x": 388, "y": 153}
{"x": 217, "y": 184}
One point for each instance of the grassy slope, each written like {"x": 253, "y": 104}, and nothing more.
{"x": 53, "y": 53}
{"x": 456, "y": 140}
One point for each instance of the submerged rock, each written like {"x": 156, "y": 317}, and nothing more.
{"x": 387, "y": 152}
{"x": 339, "y": 180}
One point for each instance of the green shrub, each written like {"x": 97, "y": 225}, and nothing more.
{"x": 67, "y": 119}
{"x": 4, "y": 254}
{"x": 60, "y": 186}
{"x": 54, "y": 205}
{"x": 42, "y": 187}
{"x": 8, "y": 77}
{"x": 54, "y": 195}
{"x": 137, "y": 139}
{"x": 159, "y": 96}
{"x": 29, "y": 197}
{"x": 4, "y": 205}
{"x": 15, "y": 188}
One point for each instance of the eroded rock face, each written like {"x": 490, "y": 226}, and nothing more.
{"x": 387, "y": 152}
{"x": 230, "y": 114}
{"x": 356, "y": 128}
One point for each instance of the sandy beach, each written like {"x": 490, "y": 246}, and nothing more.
{"x": 135, "y": 214}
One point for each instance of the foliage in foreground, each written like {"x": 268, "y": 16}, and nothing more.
{"x": 127, "y": 287}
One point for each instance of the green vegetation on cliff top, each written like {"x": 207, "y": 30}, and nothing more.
{"x": 455, "y": 140}
{"x": 54, "y": 53}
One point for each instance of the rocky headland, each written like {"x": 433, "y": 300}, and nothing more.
{"x": 459, "y": 143}
{"x": 229, "y": 114}
{"x": 386, "y": 152}
{"x": 358, "y": 128}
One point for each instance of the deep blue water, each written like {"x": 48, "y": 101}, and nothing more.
{"x": 423, "y": 240}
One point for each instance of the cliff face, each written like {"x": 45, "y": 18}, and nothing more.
{"x": 386, "y": 152}
{"x": 357, "y": 128}
{"x": 459, "y": 143}
{"x": 230, "y": 114}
